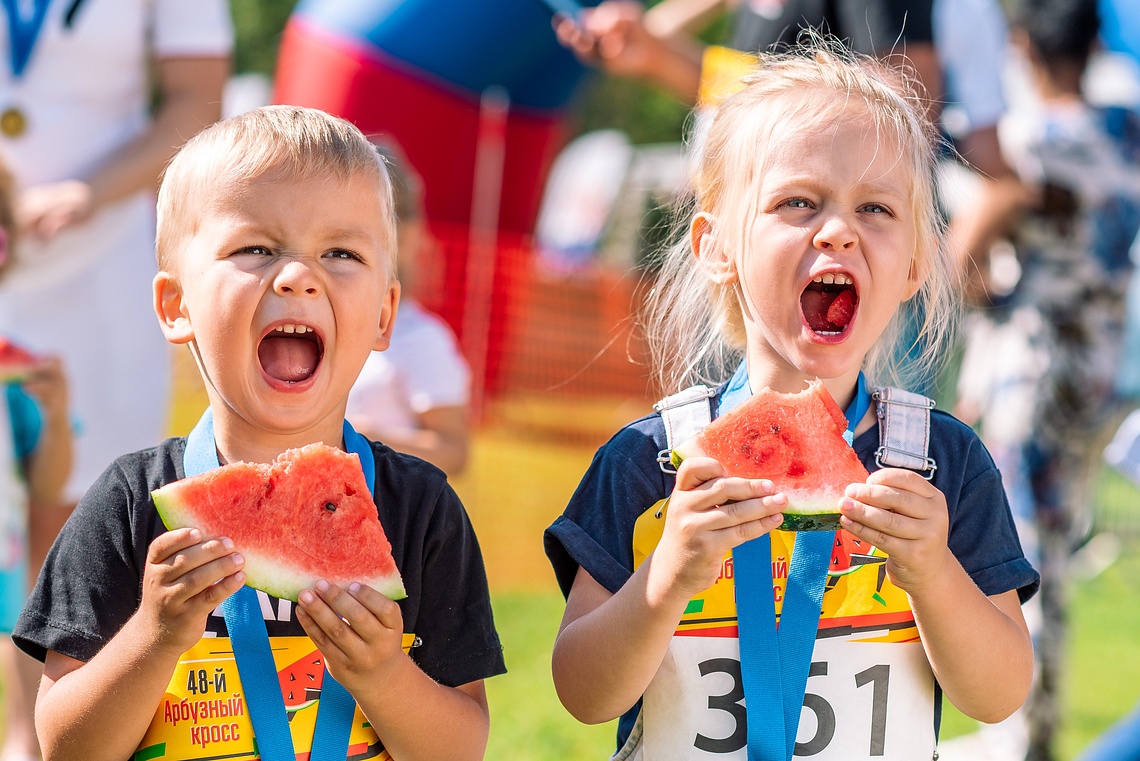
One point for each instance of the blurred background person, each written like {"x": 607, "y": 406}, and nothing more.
{"x": 95, "y": 98}
{"x": 414, "y": 395}
{"x": 1046, "y": 406}
{"x": 35, "y": 458}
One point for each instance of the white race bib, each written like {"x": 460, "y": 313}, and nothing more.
{"x": 864, "y": 700}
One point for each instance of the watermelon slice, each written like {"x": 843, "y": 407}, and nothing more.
{"x": 306, "y": 516}
{"x": 796, "y": 440}
{"x": 16, "y": 363}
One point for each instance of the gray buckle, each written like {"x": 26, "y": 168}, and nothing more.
{"x": 928, "y": 463}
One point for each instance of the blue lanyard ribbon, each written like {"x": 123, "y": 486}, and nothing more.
{"x": 250, "y": 639}
{"x": 775, "y": 680}
{"x": 24, "y": 32}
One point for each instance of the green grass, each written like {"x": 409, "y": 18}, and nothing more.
{"x": 527, "y": 721}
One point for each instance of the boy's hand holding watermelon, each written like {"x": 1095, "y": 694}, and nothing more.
{"x": 358, "y": 630}
{"x": 186, "y": 577}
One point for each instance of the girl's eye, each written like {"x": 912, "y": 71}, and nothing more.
{"x": 798, "y": 203}
{"x": 876, "y": 208}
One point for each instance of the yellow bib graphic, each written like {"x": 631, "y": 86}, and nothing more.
{"x": 204, "y": 714}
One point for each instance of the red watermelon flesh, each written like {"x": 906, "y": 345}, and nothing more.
{"x": 16, "y": 363}
{"x": 796, "y": 441}
{"x": 304, "y": 517}
{"x": 828, "y": 308}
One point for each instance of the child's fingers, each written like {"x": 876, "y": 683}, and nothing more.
{"x": 695, "y": 471}
{"x": 329, "y": 607}
{"x": 165, "y": 546}
{"x": 196, "y": 579}
{"x": 386, "y": 611}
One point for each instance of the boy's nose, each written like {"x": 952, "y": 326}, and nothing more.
{"x": 296, "y": 277}
{"x": 835, "y": 234}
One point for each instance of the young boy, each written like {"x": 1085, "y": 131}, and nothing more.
{"x": 276, "y": 243}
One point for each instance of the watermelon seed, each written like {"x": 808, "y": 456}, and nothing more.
{"x": 330, "y": 507}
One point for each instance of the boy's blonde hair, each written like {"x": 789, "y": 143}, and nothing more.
{"x": 695, "y": 327}
{"x": 288, "y": 143}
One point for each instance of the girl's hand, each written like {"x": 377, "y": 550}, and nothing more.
{"x": 708, "y": 515}
{"x": 902, "y": 513}
{"x": 358, "y": 630}
{"x": 185, "y": 578}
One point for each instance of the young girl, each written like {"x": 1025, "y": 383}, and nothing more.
{"x": 815, "y": 181}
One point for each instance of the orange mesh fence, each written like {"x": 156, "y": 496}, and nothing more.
{"x": 550, "y": 352}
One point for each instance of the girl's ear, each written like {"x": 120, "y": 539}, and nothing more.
{"x": 169, "y": 307}
{"x": 387, "y": 317}
{"x": 711, "y": 257}
{"x": 916, "y": 278}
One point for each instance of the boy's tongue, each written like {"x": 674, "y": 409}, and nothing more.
{"x": 287, "y": 358}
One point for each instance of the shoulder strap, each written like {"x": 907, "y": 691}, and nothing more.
{"x": 684, "y": 413}
{"x": 904, "y": 426}
{"x": 904, "y": 430}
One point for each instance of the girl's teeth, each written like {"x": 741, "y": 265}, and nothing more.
{"x": 831, "y": 278}
{"x": 293, "y": 329}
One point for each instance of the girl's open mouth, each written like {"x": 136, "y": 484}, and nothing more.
{"x": 290, "y": 353}
{"x": 829, "y": 302}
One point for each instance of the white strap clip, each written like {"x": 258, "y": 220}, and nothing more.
{"x": 684, "y": 413}
{"x": 904, "y": 430}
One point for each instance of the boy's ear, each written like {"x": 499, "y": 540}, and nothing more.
{"x": 388, "y": 317}
{"x": 711, "y": 257}
{"x": 172, "y": 317}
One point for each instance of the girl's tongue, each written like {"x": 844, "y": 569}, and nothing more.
{"x": 828, "y": 308}
{"x": 289, "y": 358}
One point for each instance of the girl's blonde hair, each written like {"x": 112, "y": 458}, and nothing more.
{"x": 695, "y": 327}
{"x": 287, "y": 143}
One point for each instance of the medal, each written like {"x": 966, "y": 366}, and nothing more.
{"x": 13, "y": 123}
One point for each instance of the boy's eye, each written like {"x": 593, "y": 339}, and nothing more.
{"x": 341, "y": 253}
{"x": 255, "y": 251}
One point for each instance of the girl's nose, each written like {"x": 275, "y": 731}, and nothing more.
{"x": 296, "y": 277}
{"x": 835, "y": 235}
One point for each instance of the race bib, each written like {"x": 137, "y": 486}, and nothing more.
{"x": 204, "y": 713}
{"x": 864, "y": 700}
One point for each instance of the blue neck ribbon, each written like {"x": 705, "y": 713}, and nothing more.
{"x": 23, "y": 32}
{"x": 775, "y": 680}
{"x": 250, "y": 639}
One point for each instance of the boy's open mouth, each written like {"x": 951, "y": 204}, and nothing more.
{"x": 290, "y": 353}
{"x": 829, "y": 302}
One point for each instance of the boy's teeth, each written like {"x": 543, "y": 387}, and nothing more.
{"x": 292, "y": 329}
{"x": 831, "y": 278}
